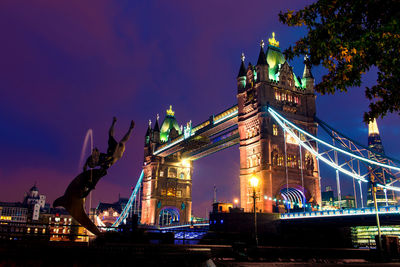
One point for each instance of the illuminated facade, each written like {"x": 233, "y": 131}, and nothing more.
{"x": 62, "y": 227}
{"x": 166, "y": 194}
{"x": 285, "y": 172}
{"x": 35, "y": 203}
{"x": 364, "y": 236}
{"x": 13, "y": 212}
{"x": 264, "y": 150}
{"x": 109, "y": 212}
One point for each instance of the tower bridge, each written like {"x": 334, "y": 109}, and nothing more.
{"x": 275, "y": 125}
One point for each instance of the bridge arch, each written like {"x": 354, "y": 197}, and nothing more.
{"x": 168, "y": 216}
{"x": 293, "y": 197}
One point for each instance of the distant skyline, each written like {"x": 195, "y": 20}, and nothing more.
{"x": 67, "y": 67}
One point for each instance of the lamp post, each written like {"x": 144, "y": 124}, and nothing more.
{"x": 379, "y": 245}
{"x": 254, "y": 183}
{"x": 236, "y": 202}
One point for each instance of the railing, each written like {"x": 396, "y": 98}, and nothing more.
{"x": 216, "y": 119}
{"x": 344, "y": 212}
{"x": 185, "y": 225}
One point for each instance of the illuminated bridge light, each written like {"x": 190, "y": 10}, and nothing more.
{"x": 128, "y": 206}
{"x": 333, "y": 147}
{"x": 277, "y": 117}
{"x": 285, "y": 124}
{"x": 163, "y": 148}
{"x": 226, "y": 116}
{"x": 337, "y": 213}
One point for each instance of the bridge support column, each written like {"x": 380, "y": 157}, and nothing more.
{"x": 167, "y": 191}
{"x": 272, "y": 83}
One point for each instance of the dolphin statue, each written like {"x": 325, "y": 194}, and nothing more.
{"x": 73, "y": 199}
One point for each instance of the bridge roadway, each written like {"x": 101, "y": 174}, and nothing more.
{"x": 218, "y": 132}
{"x": 389, "y": 215}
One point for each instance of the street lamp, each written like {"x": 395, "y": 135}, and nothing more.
{"x": 185, "y": 163}
{"x": 236, "y": 202}
{"x": 254, "y": 183}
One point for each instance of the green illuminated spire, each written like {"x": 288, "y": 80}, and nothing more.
{"x": 169, "y": 124}
{"x": 274, "y": 57}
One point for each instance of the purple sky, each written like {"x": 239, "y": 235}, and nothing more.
{"x": 69, "y": 66}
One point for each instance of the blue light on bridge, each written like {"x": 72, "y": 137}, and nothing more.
{"x": 335, "y": 213}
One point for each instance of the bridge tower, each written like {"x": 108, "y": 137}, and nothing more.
{"x": 167, "y": 181}
{"x": 264, "y": 152}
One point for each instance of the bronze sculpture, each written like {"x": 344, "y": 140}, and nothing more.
{"x": 73, "y": 199}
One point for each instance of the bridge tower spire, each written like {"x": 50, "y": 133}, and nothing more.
{"x": 156, "y": 131}
{"x": 241, "y": 78}
{"x": 262, "y": 65}
{"x": 262, "y": 143}
{"x": 308, "y": 78}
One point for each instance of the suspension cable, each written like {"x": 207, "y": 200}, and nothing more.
{"x": 302, "y": 179}
{"x": 319, "y": 174}
{"x": 354, "y": 186}
{"x": 315, "y": 153}
{"x": 329, "y": 145}
{"x": 279, "y": 119}
{"x": 339, "y": 193}
{"x": 286, "y": 167}
{"x": 359, "y": 183}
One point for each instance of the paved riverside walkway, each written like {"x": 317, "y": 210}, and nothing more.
{"x": 41, "y": 253}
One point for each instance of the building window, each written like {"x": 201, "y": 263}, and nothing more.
{"x": 291, "y": 161}
{"x": 179, "y": 193}
{"x": 280, "y": 160}
{"x": 290, "y": 140}
{"x": 161, "y": 173}
{"x": 275, "y": 129}
{"x": 171, "y": 192}
{"x": 172, "y": 173}
{"x": 277, "y": 96}
{"x": 163, "y": 192}
{"x": 274, "y": 156}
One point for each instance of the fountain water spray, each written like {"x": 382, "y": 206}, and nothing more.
{"x": 88, "y": 137}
